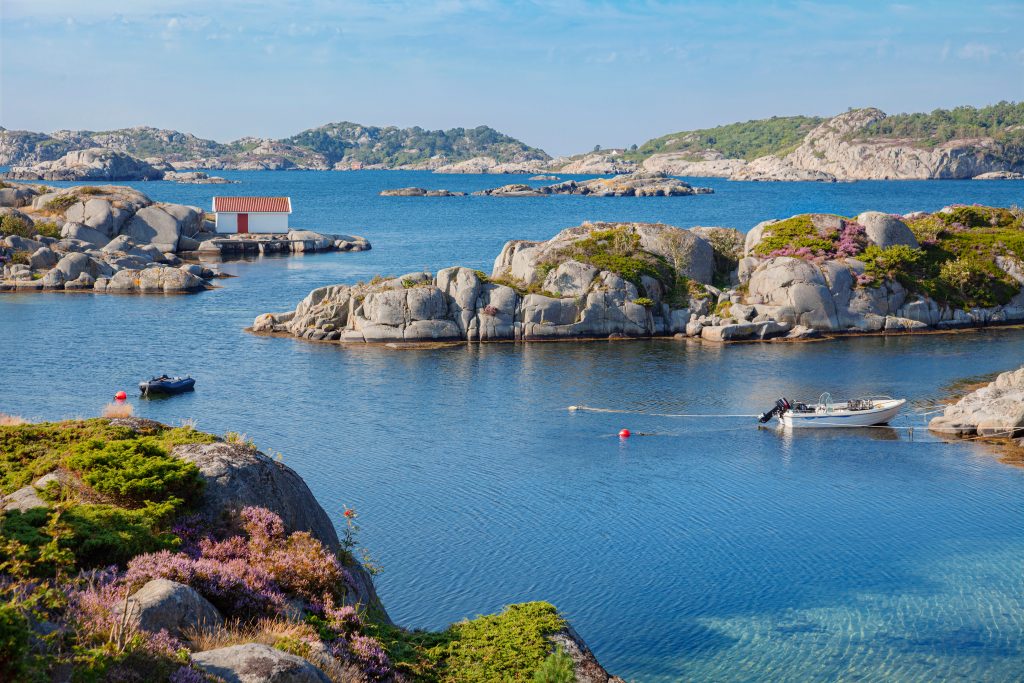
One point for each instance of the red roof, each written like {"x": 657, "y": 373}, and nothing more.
{"x": 252, "y": 204}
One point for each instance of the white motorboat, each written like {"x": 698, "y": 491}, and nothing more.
{"x": 826, "y": 413}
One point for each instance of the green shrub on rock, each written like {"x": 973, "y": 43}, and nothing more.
{"x": 15, "y": 638}
{"x": 12, "y": 225}
{"x": 499, "y": 647}
{"x": 557, "y": 668}
{"x": 135, "y": 471}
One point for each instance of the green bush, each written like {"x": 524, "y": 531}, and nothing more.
{"x": 557, "y": 668}
{"x": 644, "y": 301}
{"x": 12, "y": 225}
{"x": 498, "y": 647}
{"x": 47, "y": 229}
{"x": 15, "y": 638}
{"x": 890, "y": 262}
{"x": 798, "y": 232}
{"x": 135, "y": 471}
{"x": 21, "y": 257}
{"x": 61, "y": 202}
{"x": 98, "y": 535}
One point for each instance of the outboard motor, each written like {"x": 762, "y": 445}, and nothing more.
{"x": 781, "y": 406}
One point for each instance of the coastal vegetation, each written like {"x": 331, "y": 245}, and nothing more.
{"x": 390, "y": 146}
{"x": 99, "y": 509}
{"x": 1003, "y": 121}
{"x": 748, "y": 140}
{"x": 956, "y": 262}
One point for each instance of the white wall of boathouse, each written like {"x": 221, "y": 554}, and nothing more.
{"x": 263, "y": 222}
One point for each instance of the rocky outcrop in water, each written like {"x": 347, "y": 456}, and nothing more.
{"x": 639, "y": 184}
{"x": 115, "y": 239}
{"x": 999, "y": 175}
{"x": 994, "y": 410}
{"x": 536, "y": 290}
{"x": 106, "y": 239}
{"x": 419, "y": 192}
{"x": 196, "y": 178}
{"x": 90, "y": 164}
{"x": 795, "y": 278}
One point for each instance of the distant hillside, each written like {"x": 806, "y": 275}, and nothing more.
{"x": 347, "y": 142}
{"x": 1003, "y": 122}
{"x": 859, "y": 144}
{"x": 341, "y": 145}
{"x": 749, "y": 140}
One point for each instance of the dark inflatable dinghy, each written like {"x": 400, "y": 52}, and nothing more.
{"x": 167, "y": 385}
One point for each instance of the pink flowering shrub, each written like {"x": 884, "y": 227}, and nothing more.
{"x": 95, "y": 612}
{"x": 369, "y": 655}
{"x": 340, "y": 628}
{"x": 250, "y": 574}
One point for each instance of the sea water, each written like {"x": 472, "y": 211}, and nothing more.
{"x": 698, "y": 549}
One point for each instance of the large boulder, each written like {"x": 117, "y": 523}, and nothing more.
{"x": 16, "y": 195}
{"x": 95, "y": 213}
{"x": 74, "y": 264}
{"x": 587, "y": 668}
{"x": 168, "y": 280}
{"x": 257, "y": 663}
{"x": 190, "y": 218}
{"x": 800, "y": 290}
{"x": 42, "y": 258}
{"x": 163, "y": 605}
{"x": 886, "y": 230}
{"x": 570, "y": 278}
{"x": 239, "y": 476}
{"x": 994, "y": 410}
{"x": 154, "y": 225}
{"x": 78, "y": 231}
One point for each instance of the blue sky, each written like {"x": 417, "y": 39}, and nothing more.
{"x": 563, "y": 75}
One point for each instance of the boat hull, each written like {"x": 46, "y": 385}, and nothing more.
{"x": 882, "y": 414}
{"x": 166, "y": 387}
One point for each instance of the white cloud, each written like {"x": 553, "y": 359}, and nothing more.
{"x": 976, "y": 51}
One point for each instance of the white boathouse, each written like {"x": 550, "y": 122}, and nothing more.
{"x": 252, "y": 214}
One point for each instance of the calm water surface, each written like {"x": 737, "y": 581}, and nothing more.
{"x": 704, "y": 550}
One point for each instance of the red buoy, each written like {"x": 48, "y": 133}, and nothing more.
{"x": 120, "y": 396}
{"x": 624, "y": 434}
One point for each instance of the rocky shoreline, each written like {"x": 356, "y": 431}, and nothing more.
{"x": 115, "y": 239}
{"x": 638, "y": 184}
{"x": 797, "y": 278}
{"x": 235, "y": 570}
{"x": 992, "y": 413}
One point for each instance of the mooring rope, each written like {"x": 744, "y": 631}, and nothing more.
{"x": 908, "y": 428}
{"x": 590, "y": 409}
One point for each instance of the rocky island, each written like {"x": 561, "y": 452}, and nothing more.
{"x": 795, "y": 278}
{"x": 638, "y": 184}
{"x": 135, "y": 551}
{"x": 115, "y": 239}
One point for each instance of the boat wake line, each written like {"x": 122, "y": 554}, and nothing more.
{"x": 589, "y": 409}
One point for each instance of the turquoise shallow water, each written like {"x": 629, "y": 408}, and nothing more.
{"x": 709, "y": 550}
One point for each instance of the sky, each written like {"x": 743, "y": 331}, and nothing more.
{"x": 563, "y": 75}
